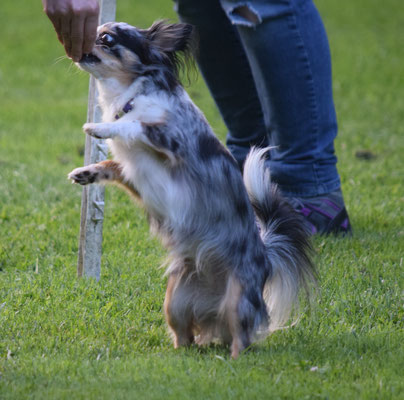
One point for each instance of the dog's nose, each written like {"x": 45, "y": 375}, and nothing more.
{"x": 89, "y": 58}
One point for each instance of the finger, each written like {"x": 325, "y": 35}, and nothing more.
{"x": 76, "y": 36}
{"x": 90, "y": 33}
{"x": 57, "y": 25}
{"x": 54, "y": 18}
{"x": 65, "y": 33}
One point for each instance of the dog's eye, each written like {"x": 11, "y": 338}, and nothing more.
{"x": 107, "y": 40}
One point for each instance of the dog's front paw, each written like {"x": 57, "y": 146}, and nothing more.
{"x": 95, "y": 130}
{"x": 84, "y": 175}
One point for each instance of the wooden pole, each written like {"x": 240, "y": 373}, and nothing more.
{"x": 92, "y": 202}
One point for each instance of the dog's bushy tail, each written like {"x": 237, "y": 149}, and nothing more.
{"x": 286, "y": 240}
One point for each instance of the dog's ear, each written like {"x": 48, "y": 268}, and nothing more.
{"x": 171, "y": 37}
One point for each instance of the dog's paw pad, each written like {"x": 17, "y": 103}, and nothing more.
{"x": 84, "y": 175}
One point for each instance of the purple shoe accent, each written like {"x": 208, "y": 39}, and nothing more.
{"x": 332, "y": 205}
{"x": 313, "y": 229}
{"x": 305, "y": 211}
{"x": 320, "y": 211}
{"x": 323, "y": 215}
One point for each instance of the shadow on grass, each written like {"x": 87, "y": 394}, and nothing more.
{"x": 339, "y": 348}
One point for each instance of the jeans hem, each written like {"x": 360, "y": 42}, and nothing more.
{"x": 310, "y": 190}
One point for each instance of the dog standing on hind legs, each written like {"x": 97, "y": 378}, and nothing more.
{"x": 238, "y": 253}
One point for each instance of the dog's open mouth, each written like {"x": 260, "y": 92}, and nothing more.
{"x": 89, "y": 58}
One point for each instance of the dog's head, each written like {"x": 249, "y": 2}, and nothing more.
{"x": 124, "y": 52}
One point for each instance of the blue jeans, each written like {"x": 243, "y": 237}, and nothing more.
{"x": 267, "y": 64}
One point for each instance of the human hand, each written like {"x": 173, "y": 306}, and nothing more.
{"x": 75, "y": 22}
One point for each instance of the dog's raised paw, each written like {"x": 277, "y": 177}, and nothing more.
{"x": 84, "y": 175}
{"x": 92, "y": 129}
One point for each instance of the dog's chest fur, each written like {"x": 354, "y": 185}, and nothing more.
{"x": 161, "y": 180}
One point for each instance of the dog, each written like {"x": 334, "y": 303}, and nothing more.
{"x": 238, "y": 253}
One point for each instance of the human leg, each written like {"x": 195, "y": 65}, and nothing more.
{"x": 287, "y": 48}
{"x": 226, "y": 70}
{"x": 279, "y": 47}
{"x": 288, "y": 52}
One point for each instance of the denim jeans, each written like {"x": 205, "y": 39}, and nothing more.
{"x": 267, "y": 64}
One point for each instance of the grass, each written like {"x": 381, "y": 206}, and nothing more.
{"x": 63, "y": 338}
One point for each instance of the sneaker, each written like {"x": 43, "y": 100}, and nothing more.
{"x": 324, "y": 214}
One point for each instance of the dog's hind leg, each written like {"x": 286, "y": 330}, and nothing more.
{"x": 229, "y": 311}
{"x": 104, "y": 172}
{"x": 178, "y": 311}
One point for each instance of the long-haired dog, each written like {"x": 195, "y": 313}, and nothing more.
{"x": 238, "y": 253}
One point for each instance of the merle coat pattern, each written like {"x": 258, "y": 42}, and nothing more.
{"x": 238, "y": 253}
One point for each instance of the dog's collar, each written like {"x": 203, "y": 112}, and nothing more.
{"x": 126, "y": 108}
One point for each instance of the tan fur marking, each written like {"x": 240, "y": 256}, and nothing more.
{"x": 115, "y": 169}
{"x": 172, "y": 282}
{"x": 182, "y": 336}
{"x": 229, "y": 311}
{"x": 119, "y": 68}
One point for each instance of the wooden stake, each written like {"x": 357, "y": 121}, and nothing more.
{"x": 92, "y": 202}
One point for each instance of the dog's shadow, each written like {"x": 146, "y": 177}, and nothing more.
{"x": 304, "y": 350}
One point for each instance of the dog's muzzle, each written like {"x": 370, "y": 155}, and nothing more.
{"x": 89, "y": 58}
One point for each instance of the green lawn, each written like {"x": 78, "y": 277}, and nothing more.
{"x": 64, "y": 338}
